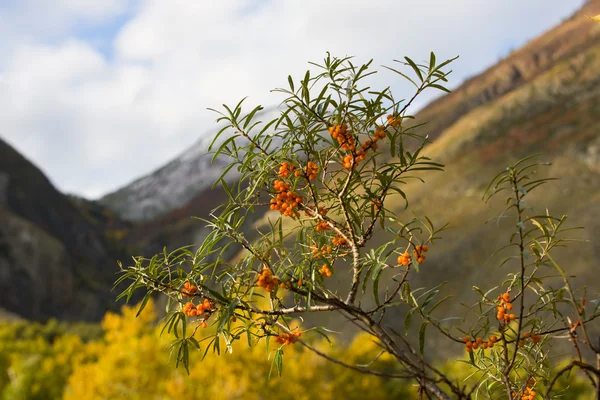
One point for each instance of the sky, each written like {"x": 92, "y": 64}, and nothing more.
{"x": 100, "y": 92}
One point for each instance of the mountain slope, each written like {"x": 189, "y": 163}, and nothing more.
{"x": 174, "y": 184}
{"x": 169, "y": 187}
{"x": 573, "y": 36}
{"x": 555, "y": 112}
{"x": 54, "y": 262}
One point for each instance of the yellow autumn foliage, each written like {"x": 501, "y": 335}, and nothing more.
{"x": 131, "y": 364}
{"x": 128, "y": 361}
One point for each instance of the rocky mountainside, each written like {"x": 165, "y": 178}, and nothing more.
{"x": 169, "y": 187}
{"x": 572, "y": 37}
{"x": 54, "y": 261}
{"x": 172, "y": 186}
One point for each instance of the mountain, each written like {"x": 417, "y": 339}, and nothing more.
{"x": 169, "y": 187}
{"x": 175, "y": 184}
{"x": 572, "y": 38}
{"x": 543, "y": 98}
{"x": 54, "y": 260}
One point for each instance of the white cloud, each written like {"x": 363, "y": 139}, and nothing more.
{"x": 93, "y": 122}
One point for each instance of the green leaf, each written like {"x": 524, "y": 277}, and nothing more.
{"x": 414, "y": 67}
{"x": 323, "y": 334}
{"x": 144, "y": 302}
{"x": 439, "y": 87}
{"x": 407, "y": 321}
{"x": 376, "y": 276}
{"x": 422, "y": 337}
{"x": 277, "y": 361}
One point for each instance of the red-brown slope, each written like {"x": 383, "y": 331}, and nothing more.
{"x": 572, "y": 36}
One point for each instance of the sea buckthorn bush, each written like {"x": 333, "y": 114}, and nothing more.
{"x": 328, "y": 172}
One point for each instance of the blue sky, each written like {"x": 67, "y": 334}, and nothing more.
{"x": 101, "y": 36}
{"x": 99, "y": 92}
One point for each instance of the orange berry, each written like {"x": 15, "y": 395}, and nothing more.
{"x": 202, "y": 324}
{"x": 189, "y": 290}
{"x": 325, "y": 271}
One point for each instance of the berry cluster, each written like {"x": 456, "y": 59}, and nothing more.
{"x": 267, "y": 280}
{"x": 471, "y": 345}
{"x": 358, "y": 156}
{"x": 189, "y": 290}
{"x": 534, "y": 338}
{"x": 371, "y": 144}
{"x": 192, "y": 310}
{"x": 528, "y": 394}
{"x": 377, "y": 203}
{"x": 419, "y": 250}
{"x": 285, "y": 169}
{"x": 288, "y": 338}
{"x": 325, "y": 271}
{"x": 322, "y": 225}
{"x": 310, "y": 170}
{"x": 393, "y": 122}
{"x": 285, "y": 202}
{"x": 285, "y": 285}
{"x": 348, "y": 143}
{"x": 504, "y": 306}
{"x": 324, "y": 251}
{"x": 344, "y": 138}
{"x": 404, "y": 258}
{"x": 339, "y": 241}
